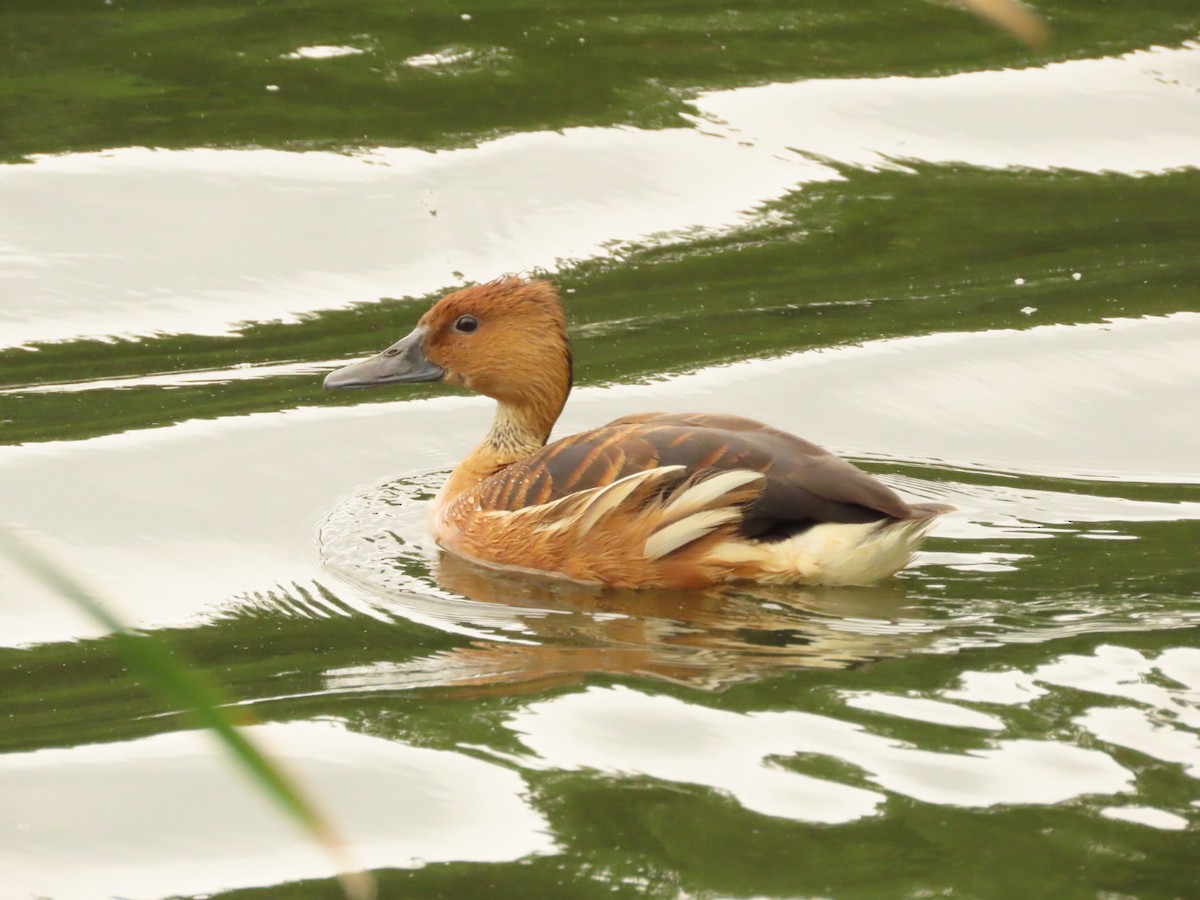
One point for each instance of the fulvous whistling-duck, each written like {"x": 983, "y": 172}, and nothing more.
{"x": 651, "y": 500}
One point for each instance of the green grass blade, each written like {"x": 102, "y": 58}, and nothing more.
{"x": 1014, "y": 17}
{"x": 191, "y": 691}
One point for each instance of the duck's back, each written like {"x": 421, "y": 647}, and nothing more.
{"x": 803, "y": 483}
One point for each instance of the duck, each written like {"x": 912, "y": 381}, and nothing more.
{"x": 650, "y": 500}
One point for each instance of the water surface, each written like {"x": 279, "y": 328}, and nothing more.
{"x": 970, "y": 268}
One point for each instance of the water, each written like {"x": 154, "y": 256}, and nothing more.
{"x": 973, "y": 269}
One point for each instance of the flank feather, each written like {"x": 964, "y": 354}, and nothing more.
{"x": 611, "y": 498}
{"x": 681, "y": 533}
{"x": 704, "y": 494}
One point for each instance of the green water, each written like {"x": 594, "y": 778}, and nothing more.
{"x": 985, "y": 290}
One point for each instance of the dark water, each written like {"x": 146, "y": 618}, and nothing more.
{"x": 971, "y": 267}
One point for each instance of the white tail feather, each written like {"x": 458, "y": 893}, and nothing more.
{"x": 831, "y": 553}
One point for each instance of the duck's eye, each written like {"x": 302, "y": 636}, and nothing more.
{"x": 466, "y": 324}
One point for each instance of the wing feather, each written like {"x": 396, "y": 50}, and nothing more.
{"x": 803, "y": 484}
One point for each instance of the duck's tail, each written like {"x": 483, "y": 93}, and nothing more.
{"x": 837, "y": 553}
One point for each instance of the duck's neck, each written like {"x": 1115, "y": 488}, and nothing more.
{"x": 519, "y": 430}
{"x": 516, "y": 432}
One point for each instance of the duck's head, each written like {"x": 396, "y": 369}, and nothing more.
{"x": 506, "y": 339}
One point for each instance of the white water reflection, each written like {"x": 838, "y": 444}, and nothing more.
{"x": 1126, "y": 673}
{"x": 104, "y": 820}
{"x": 238, "y": 372}
{"x": 628, "y": 733}
{"x": 211, "y": 238}
{"x": 324, "y": 51}
{"x": 923, "y": 709}
{"x": 1135, "y": 729}
{"x": 1164, "y": 723}
{"x": 1138, "y": 113}
{"x": 220, "y": 237}
{"x": 1148, "y": 816}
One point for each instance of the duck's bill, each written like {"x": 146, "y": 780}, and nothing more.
{"x": 402, "y": 363}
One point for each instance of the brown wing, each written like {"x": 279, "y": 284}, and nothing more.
{"x": 804, "y": 483}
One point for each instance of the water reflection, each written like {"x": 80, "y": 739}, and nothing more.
{"x": 708, "y": 639}
{"x": 167, "y": 815}
{"x": 1162, "y": 725}
{"x": 1057, "y": 116}
{"x": 629, "y": 733}
{"x": 143, "y": 274}
{"x": 531, "y": 630}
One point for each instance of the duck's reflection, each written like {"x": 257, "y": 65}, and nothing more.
{"x": 562, "y": 632}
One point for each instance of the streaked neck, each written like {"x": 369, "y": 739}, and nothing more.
{"x": 517, "y": 432}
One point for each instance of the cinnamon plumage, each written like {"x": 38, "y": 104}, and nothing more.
{"x": 649, "y": 500}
